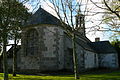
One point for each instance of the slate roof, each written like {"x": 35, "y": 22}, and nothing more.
{"x": 42, "y": 17}
{"x": 102, "y": 47}
{"x": 84, "y": 45}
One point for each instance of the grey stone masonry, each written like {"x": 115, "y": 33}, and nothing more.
{"x": 47, "y": 54}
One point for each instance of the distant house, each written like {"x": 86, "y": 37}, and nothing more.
{"x": 45, "y": 46}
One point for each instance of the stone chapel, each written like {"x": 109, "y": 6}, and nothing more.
{"x": 45, "y": 46}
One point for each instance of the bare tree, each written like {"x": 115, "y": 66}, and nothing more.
{"x": 111, "y": 15}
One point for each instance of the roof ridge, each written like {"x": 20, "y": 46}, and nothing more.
{"x": 100, "y": 41}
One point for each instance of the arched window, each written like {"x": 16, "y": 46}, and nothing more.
{"x": 32, "y": 41}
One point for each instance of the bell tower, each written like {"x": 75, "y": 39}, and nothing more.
{"x": 80, "y": 23}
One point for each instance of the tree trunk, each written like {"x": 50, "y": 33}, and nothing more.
{"x": 14, "y": 58}
{"x": 5, "y": 64}
{"x": 75, "y": 57}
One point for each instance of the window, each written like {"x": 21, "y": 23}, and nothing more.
{"x": 32, "y": 41}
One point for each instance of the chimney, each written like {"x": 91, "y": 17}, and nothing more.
{"x": 97, "y": 39}
{"x": 80, "y": 23}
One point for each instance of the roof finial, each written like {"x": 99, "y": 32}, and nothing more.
{"x": 40, "y": 6}
{"x": 39, "y": 3}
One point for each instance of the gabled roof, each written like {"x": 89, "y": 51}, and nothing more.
{"x": 102, "y": 47}
{"x": 42, "y": 17}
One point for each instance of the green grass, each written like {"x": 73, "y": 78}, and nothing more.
{"x": 114, "y": 75}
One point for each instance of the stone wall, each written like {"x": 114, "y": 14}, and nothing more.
{"x": 108, "y": 60}
{"x": 91, "y": 60}
{"x": 86, "y": 59}
{"x": 50, "y": 54}
{"x": 69, "y": 55}
{"x": 68, "y": 59}
{"x": 80, "y": 57}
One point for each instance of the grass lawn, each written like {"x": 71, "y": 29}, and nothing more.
{"x": 114, "y": 75}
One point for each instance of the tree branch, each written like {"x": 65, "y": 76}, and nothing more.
{"x": 111, "y": 10}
